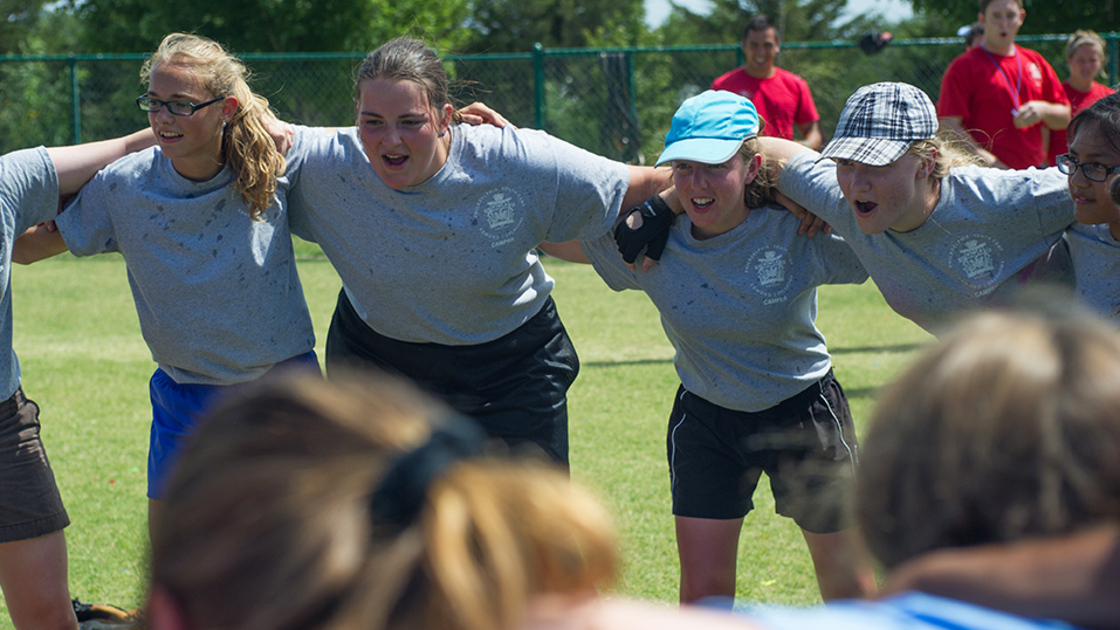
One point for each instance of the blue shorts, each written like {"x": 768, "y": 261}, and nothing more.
{"x": 176, "y": 409}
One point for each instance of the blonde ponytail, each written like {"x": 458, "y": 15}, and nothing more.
{"x": 272, "y": 519}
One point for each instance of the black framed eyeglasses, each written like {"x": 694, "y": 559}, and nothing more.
{"x": 1093, "y": 171}
{"x": 177, "y": 108}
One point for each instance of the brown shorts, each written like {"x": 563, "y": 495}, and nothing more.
{"x": 30, "y": 505}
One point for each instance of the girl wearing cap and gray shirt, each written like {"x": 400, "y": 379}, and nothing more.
{"x": 937, "y": 234}
{"x": 737, "y": 296}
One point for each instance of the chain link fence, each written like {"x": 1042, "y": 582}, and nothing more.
{"x": 615, "y": 102}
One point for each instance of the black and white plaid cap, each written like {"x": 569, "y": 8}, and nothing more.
{"x": 880, "y": 122}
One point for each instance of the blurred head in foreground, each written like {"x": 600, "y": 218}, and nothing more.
{"x": 362, "y": 503}
{"x": 1008, "y": 429}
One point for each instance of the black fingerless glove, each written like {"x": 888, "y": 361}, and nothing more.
{"x": 653, "y": 233}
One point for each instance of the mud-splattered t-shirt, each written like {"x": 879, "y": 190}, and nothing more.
{"x": 28, "y": 195}
{"x": 739, "y": 308}
{"x": 217, "y": 293}
{"x": 452, "y": 260}
{"x": 988, "y": 229}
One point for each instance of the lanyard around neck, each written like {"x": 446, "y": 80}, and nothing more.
{"x": 1018, "y": 83}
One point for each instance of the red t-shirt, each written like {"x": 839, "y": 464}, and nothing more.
{"x": 985, "y": 89}
{"x": 1077, "y": 102}
{"x": 783, "y": 100}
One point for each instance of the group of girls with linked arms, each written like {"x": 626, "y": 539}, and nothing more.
{"x": 433, "y": 227}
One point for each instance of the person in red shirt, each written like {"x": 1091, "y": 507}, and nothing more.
{"x": 1084, "y": 56}
{"x": 998, "y": 95}
{"x": 782, "y": 98}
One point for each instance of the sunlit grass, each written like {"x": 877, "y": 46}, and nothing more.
{"x": 85, "y": 363}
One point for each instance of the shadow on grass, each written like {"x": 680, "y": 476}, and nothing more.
{"x": 860, "y": 392}
{"x": 584, "y": 364}
{"x": 904, "y": 347}
{"x": 899, "y": 348}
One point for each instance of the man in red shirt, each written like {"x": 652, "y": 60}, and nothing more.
{"x": 1001, "y": 94}
{"x": 782, "y": 98}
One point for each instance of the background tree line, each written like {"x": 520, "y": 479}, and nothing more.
{"x": 474, "y": 26}
{"x": 616, "y": 104}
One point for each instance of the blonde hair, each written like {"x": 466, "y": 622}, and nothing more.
{"x": 1007, "y": 429}
{"x": 760, "y": 191}
{"x": 268, "y": 521}
{"x": 1086, "y": 38}
{"x": 246, "y": 144}
{"x": 947, "y": 151}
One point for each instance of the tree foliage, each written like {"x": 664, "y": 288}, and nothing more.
{"x": 19, "y": 16}
{"x": 32, "y": 27}
{"x": 271, "y": 25}
{"x": 1043, "y": 16}
{"x": 516, "y": 25}
{"x": 798, "y": 21}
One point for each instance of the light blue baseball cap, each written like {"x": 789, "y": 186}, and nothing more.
{"x": 709, "y": 128}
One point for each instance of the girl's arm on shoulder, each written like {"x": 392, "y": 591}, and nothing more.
{"x": 76, "y": 164}
{"x": 645, "y": 182}
{"x": 37, "y": 243}
{"x": 778, "y": 151}
{"x": 781, "y": 149}
{"x": 569, "y": 251}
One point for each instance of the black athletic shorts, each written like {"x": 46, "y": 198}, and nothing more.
{"x": 30, "y": 505}
{"x": 806, "y": 444}
{"x": 516, "y": 386}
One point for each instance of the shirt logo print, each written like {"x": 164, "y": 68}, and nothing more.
{"x": 499, "y": 214}
{"x": 767, "y": 275}
{"x": 979, "y": 260}
{"x": 975, "y": 259}
{"x": 771, "y": 269}
{"x": 499, "y": 211}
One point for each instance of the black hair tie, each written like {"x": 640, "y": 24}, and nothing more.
{"x": 401, "y": 493}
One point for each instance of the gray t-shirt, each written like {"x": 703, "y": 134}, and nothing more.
{"x": 217, "y": 293}
{"x": 28, "y": 196}
{"x": 1096, "y": 263}
{"x": 452, "y": 260}
{"x": 739, "y": 308}
{"x": 979, "y": 244}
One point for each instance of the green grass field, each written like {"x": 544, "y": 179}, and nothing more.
{"x": 85, "y": 363}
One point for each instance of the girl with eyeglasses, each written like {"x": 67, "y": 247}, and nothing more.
{"x": 1092, "y": 164}
{"x": 200, "y": 221}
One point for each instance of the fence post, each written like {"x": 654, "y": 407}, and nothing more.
{"x": 1113, "y": 62}
{"x": 538, "y": 83}
{"x": 632, "y": 93}
{"x": 75, "y": 101}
